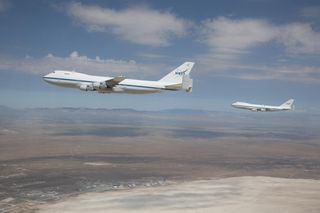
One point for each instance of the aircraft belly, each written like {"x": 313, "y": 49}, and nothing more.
{"x": 139, "y": 90}
{"x": 63, "y": 83}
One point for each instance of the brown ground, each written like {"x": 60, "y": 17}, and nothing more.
{"x": 43, "y": 159}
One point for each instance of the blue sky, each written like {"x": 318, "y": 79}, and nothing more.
{"x": 263, "y": 51}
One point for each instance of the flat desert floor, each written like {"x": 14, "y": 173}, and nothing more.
{"x": 227, "y": 195}
{"x": 99, "y": 160}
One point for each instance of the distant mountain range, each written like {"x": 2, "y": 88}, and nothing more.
{"x": 201, "y": 117}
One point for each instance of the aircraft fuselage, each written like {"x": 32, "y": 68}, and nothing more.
{"x": 87, "y": 83}
{"x": 263, "y": 108}
{"x": 178, "y": 79}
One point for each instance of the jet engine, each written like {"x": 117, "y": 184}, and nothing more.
{"x": 117, "y": 89}
{"x": 86, "y": 87}
{"x": 259, "y": 110}
{"x": 100, "y": 85}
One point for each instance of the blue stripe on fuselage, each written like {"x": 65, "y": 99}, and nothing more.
{"x": 84, "y": 81}
{"x": 67, "y": 79}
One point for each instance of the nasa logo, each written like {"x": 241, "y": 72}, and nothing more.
{"x": 180, "y": 72}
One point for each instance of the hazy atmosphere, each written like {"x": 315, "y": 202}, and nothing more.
{"x": 66, "y": 150}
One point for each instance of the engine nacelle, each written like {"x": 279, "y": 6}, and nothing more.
{"x": 86, "y": 87}
{"x": 117, "y": 89}
{"x": 99, "y": 85}
{"x": 259, "y": 110}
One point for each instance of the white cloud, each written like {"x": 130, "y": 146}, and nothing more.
{"x": 299, "y": 38}
{"x": 139, "y": 25}
{"x": 296, "y": 73}
{"x": 80, "y": 63}
{"x": 280, "y": 71}
{"x": 233, "y": 37}
{"x": 229, "y": 40}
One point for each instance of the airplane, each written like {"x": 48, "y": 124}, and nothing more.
{"x": 178, "y": 79}
{"x": 288, "y": 105}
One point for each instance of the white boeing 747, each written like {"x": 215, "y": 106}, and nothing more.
{"x": 288, "y": 105}
{"x": 178, "y": 79}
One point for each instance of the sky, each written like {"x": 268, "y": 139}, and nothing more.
{"x": 259, "y": 51}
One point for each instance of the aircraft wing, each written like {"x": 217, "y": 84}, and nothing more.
{"x": 114, "y": 81}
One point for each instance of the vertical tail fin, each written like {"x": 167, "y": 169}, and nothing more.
{"x": 180, "y": 76}
{"x": 288, "y": 104}
{"x": 177, "y": 74}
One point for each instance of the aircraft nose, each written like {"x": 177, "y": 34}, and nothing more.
{"x": 45, "y": 77}
{"x": 235, "y": 104}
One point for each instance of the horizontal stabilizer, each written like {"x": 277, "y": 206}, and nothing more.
{"x": 187, "y": 83}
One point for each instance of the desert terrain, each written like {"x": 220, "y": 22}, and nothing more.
{"x": 51, "y": 159}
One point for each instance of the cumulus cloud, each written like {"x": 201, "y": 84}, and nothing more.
{"x": 77, "y": 62}
{"x": 306, "y": 74}
{"x": 233, "y": 37}
{"x": 299, "y": 38}
{"x": 139, "y": 25}
{"x": 229, "y": 40}
{"x": 237, "y": 69}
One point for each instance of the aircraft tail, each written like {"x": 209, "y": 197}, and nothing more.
{"x": 179, "y": 78}
{"x": 288, "y": 104}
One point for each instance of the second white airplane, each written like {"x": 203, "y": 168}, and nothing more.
{"x": 288, "y": 105}
{"x": 178, "y": 79}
